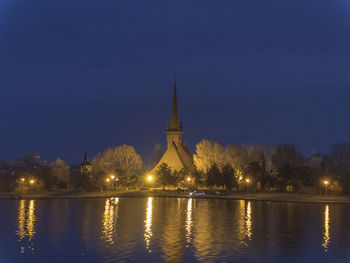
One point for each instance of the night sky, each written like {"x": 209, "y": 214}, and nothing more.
{"x": 97, "y": 74}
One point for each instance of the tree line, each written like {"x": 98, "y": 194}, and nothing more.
{"x": 268, "y": 168}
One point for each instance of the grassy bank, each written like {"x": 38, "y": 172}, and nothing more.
{"x": 273, "y": 197}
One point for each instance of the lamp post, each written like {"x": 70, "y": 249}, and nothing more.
{"x": 247, "y": 182}
{"x": 31, "y": 182}
{"x": 326, "y": 185}
{"x": 107, "y": 182}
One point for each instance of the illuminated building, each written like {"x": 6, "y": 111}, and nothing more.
{"x": 177, "y": 156}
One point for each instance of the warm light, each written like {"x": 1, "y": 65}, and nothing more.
{"x": 32, "y": 181}
{"x": 188, "y": 179}
{"x": 148, "y": 223}
{"x": 117, "y": 179}
{"x": 107, "y": 180}
{"x": 22, "y": 179}
{"x": 247, "y": 180}
{"x": 112, "y": 176}
{"x": 325, "y": 182}
{"x": 150, "y": 178}
{"x": 326, "y": 234}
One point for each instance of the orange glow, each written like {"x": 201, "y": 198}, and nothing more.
{"x": 22, "y": 179}
{"x": 247, "y": 180}
{"x": 188, "y": 179}
{"x": 107, "y": 180}
{"x": 150, "y": 178}
{"x": 112, "y": 176}
{"x": 32, "y": 181}
{"x": 326, "y": 182}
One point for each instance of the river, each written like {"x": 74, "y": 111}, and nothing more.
{"x": 155, "y": 229}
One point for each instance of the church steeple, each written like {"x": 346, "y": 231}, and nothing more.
{"x": 174, "y": 130}
{"x": 86, "y": 158}
{"x": 174, "y": 121}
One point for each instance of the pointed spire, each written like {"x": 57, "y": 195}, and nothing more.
{"x": 86, "y": 158}
{"x": 174, "y": 122}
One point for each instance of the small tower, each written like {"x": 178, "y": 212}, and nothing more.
{"x": 174, "y": 131}
{"x": 85, "y": 166}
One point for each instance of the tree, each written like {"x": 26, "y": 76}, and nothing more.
{"x": 157, "y": 154}
{"x": 228, "y": 175}
{"x": 340, "y": 158}
{"x": 61, "y": 171}
{"x": 213, "y": 175}
{"x": 208, "y": 153}
{"x": 164, "y": 175}
{"x": 122, "y": 161}
{"x": 287, "y": 163}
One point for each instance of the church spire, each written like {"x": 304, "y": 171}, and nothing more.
{"x": 86, "y": 158}
{"x": 174, "y": 122}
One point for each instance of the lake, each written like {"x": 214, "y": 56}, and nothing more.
{"x": 155, "y": 229}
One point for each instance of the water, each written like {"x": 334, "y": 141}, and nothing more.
{"x": 172, "y": 230}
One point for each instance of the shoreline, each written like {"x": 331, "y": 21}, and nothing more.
{"x": 266, "y": 197}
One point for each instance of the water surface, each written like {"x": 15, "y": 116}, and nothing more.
{"x": 172, "y": 230}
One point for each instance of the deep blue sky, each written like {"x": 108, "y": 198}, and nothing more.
{"x": 97, "y": 74}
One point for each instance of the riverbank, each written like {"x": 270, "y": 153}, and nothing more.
{"x": 271, "y": 197}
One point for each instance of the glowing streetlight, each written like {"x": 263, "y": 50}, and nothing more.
{"x": 188, "y": 179}
{"x": 150, "y": 178}
{"x": 112, "y": 176}
{"x": 325, "y": 182}
{"x": 23, "y": 179}
{"x": 247, "y": 182}
{"x": 107, "y": 180}
{"x": 32, "y": 181}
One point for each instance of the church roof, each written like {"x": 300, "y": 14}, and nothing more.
{"x": 177, "y": 158}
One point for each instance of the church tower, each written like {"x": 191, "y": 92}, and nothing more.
{"x": 174, "y": 131}
{"x": 85, "y": 166}
{"x": 176, "y": 156}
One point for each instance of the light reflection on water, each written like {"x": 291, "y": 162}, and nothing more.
{"x": 109, "y": 219}
{"x": 176, "y": 230}
{"x": 26, "y": 225}
{"x": 189, "y": 220}
{"x": 148, "y": 222}
{"x": 326, "y": 236}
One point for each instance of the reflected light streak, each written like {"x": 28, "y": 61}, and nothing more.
{"x": 148, "y": 222}
{"x": 326, "y": 235}
{"x": 26, "y": 224}
{"x": 245, "y": 224}
{"x": 189, "y": 220}
{"x": 248, "y": 221}
{"x": 109, "y": 218}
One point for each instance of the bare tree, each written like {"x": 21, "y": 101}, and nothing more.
{"x": 122, "y": 160}
{"x": 207, "y": 154}
{"x": 61, "y": 171}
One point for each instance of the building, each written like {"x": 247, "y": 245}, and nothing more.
{"x": 177, "y": 156}
{"x": 85, "y": 166}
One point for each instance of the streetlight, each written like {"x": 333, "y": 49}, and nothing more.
{"x": 188, "y": 179}
{"x": 247, "y": 182}
{"x": 150, "y": 178}
{"x": 112, "y": 176}
{"x": 107, "y": 182}
{"x": 32, "y": 181}
{"x": 22, "y": 180}
{"x": 326, "y": 185}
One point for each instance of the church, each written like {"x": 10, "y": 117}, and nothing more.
{"x": 176, "y": 156}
